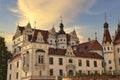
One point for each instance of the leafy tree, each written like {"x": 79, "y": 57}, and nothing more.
{"x": 4, "y": 56}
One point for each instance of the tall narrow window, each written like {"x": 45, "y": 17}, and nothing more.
{"x": 10, "y": 66}
{"x": 17, "y": 75}
{"x": 10, "y": 77}
{"x": 60, "y": 61}
{"x": 95, "y": 63}
{"x": 51, "y": 72}
{"x": 87, "y": 63}
{"x": 50, "y": 60}
{"x": 40, "y": 73}
{"x": 80, "y": 63}
{"x": 17, "y": 64}
{"x": 40, "y": 59}
{"x": 119, "y": 61}
{"x": 61, "y": 72}
{"x": 118, "y": 50}
{"x": 108, "y": 48}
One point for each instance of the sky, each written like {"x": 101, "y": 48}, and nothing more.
{"x": 84, "y": 16}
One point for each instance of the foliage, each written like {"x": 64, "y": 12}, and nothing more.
{"x": 4, "y": 56}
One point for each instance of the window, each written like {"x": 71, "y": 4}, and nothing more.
{"x": 102, "y": 64}
{"x": 109, "y": 61}
{"x": 50, "y": 60}
{"x": 110, "y": 68}
{"x": 70, "y": 61}
{"x": 80, "y": 72}
{"x": 61, "y": 72}
{"x": 40, "y": 73}
{"x": 95, "y": 63}
{"x": 119, "y": 61}
{"x": 51, "y": 72}
{"x": 60, "y": 61}
{"x": 105, "y": 48}
{"x": 87, "y": 63}
{"x": 118, "y": 50}
{"x": 17, "y": 64}
{"x": 40, "y": 59}
{"x": 80, "y": 63}
{"x": 10, "y": 66}
{"x": 23, "y": 60}
{"x": 108, "y": 48}
{"x": 10, "y": 77}
{"x": 17, "y": 75}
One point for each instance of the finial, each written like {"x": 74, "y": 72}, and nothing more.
{"x": 105, "y": 17}
{"x": 95, "y": 35}
{"x": 61, "y": 18}
{"x": 18, "y": 23}
{"x": 34, "y": 24}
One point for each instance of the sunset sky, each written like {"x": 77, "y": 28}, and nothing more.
{"x": 85, "y": 16}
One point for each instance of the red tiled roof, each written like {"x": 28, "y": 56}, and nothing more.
{"x": 106, "y": 36}
{"x": 91, "y": 45}
{"x": 77, "y": 53}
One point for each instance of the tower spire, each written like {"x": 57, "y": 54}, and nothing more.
{"x": 34, "y": 24}
{"x": 105, "y": 17}
{"x": 61, "y": 18}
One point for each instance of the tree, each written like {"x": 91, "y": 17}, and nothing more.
{"x": 4, "y": 56}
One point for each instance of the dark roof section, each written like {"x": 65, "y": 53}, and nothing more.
{"x": 43, "y": 32}
{"x": 117, "y": 36}
{"x": 83, "y": 50}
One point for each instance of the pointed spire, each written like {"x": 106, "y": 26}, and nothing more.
{"x": 105, "y": 18}
{"x": 106, "y": 24}
{"x": 34, "y": 24}
{"x": 61, "y": 27}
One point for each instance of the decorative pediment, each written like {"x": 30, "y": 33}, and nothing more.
{"x": 39, "y": 37}
{"x": 69, "y": 51}
{"x": 28, "y": 29}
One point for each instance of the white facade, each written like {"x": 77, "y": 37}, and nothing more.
{"x": 40, "y": 54}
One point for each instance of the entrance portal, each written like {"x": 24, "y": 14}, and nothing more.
{"x": 70, "y": 73}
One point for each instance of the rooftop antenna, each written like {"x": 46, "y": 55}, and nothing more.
{"x": 61, "y": 18}
{"x": 95, "y": 35}
{"x": 34, "y": 24}
{"x": 105, "y": 17}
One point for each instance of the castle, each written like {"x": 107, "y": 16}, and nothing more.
{"x": 47, "y": 54}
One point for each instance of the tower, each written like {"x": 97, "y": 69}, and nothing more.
{"x": 61, "y": 37}
{"x": 107, "y": 45}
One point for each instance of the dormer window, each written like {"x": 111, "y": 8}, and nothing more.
{"x": 39, "y": 37}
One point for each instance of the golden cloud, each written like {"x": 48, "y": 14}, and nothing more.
{"x": 47, "y": 12}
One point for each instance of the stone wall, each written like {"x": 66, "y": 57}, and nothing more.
{"x": 92, "y": 77}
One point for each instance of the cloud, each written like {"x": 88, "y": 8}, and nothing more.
{"x": 47, "y": 12}
{"x": 8, "y": 39}
{"x": 77, "y": 29}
